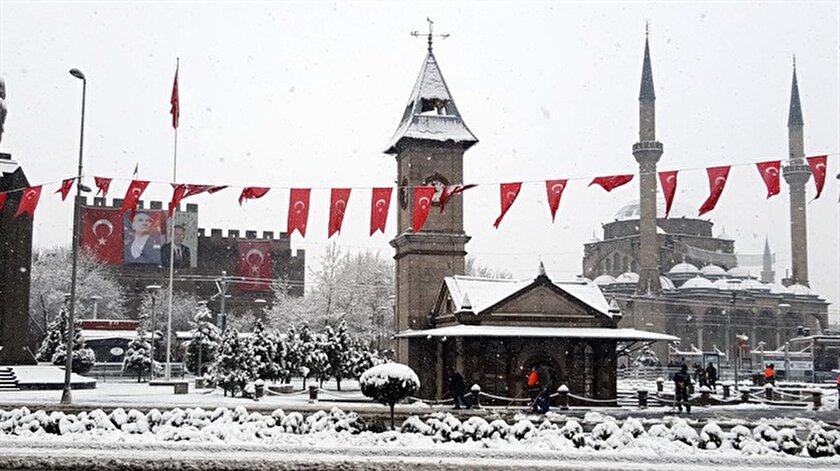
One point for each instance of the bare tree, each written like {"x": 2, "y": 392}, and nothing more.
{"x": 472, "y": 267}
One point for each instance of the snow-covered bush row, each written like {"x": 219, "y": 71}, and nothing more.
{"x": 226, "y": 425}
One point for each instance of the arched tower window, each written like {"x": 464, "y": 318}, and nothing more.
{"x": 616, "y": 262}
{"x": 608, "y": 266}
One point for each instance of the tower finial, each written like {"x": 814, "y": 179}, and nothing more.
{"x": 646, "y": 92}
{"x": 431, "y": 24}
{"x": 795, "y": 111}
{"x": 647, "y": 29}
{"x": 794, "y": 62}
{"x": 431, "y": 34}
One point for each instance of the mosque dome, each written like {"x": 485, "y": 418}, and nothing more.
{"x": 666, "y": 283}
{"x": 727, "y": 283}
{"x": 776, "y": 288}
{"x": 753, "y": 284}
{"x": 712, "y": 270}
{"x": 683, "y": 268}
{"x": 698, "y": 282}
{"x": 631, "y": 210}
{"x": 604, "y": 280}
{"x": 799, "y": 290}
{"x": 738, "y": 272}
{"x": 627, "y": 277}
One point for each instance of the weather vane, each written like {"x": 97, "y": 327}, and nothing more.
{"x": 417, "y": 34}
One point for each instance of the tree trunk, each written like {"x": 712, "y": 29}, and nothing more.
{"x": 392, "y": 415}
{"x": 338, "y": 382}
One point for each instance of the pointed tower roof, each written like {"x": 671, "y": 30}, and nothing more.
{"x": 795, "y": 113}
{"x": 646, "y": 92}
{"x": 431, "y": 113}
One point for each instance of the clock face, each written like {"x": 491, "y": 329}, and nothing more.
{"x": 404, "y": 193}
{"x": 439, "y": 182}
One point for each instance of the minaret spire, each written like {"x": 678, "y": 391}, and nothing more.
{"x": 795, "y": 112}
{"x": 767, "y": 273}
{"x": 797, "y": 173}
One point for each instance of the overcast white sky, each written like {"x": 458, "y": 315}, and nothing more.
{"x": 308, "y": 94}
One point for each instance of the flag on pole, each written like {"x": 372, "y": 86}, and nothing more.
{"x": 173, "y": 100}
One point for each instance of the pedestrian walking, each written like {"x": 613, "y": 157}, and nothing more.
{"x": 682, "y": 381}
{"x": 770, "y": 374}
{"x": 533, "y": 386}
{"x": 711, "y": 376}
{"x": 544, "y": 396}
{"x": 457, "y": 388}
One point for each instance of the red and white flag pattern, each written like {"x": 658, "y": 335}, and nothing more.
{"x": 422, "y": 205}
{"x": 818, "y": 169}
{"x": 254, "y": 264}
{"x": 380, "y": 202}
{"x": 668, "y": 180}
{"x": 29, "y": 201}
{"x": 508, "y": 193}
{"x": 554, "y": 190}
{"x": 612, "y": 182}
{"x": 451, "y": 190}
{"x": 298, "y": 211}
{"x": 66, "y": 186}
{"x": 132, "y": 196}
{"x": 717, "y": 180}
{"x": 338, "y": 206}
{"x": 770, "y": 172}
{"x": 102, "y": 234}
{"x": 2, "y": 202}
{"x": 175, "y": 102}
{"x": 103, "y": 184}
{"x": 252, "y": 193}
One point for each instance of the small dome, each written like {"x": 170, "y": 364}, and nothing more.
{"x": 738, "y": 272}
{"x": 712, "y": 270}
{"x": 683, "y": 268}
{"x": 666, "y": 283}
{"x": 698, "y": 282}
{"x": 776, "y": 288}
{"x": 724, "y": 236}
{"x": 627, "y": 277}
{"x": 726, "y": 283}
{"x": 799, "y": 290}
{"x": 753, "y": 284}
{"x": 604, "y": 280}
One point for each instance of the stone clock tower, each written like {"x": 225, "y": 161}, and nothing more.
{"x": 429, "y": 146}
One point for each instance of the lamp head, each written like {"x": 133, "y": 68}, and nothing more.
{"x": 77, "y": 73}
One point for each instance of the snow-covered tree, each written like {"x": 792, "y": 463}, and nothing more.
{"x": 280, "y": 354}
{"x": 82, "y": 357}
{"x": 472, "y": 267}
{"x": 389, "y": 384}
{"x": 138, "y": 357}
{"x": 647, "y": 357}
{"x": 235, "y": 366}
{"x": 339, "y": 348}
{"x": 203, "y": 348}
{"x": 263, "y": 348}
{"x": 56, "y": 335}
{"x": 314, "y": 361}
{"x": 362, "y": 360}
{"x": 294, "y": 355}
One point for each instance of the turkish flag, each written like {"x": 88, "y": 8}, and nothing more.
{"x": 102, "y": 234}
{"x": 254, "y": 264}
{"x": 216, "y": 189}
{"x": 179, "y": 190}
{"x": 298, "y": 210}
{"x": 66, "y": 186}
{"x": 818, "y": 169}
{"x": 338, "y": 205}
{"x": 770, "y": 171}
{"x": 103, "y": 184}
{"x": 2, "y": 201}
{"x": 668, "y": 180}
{"x": 252, "y": 193}
{"x": 717, "y": 180}
{"x": 508, "y": 193}
{"x": 173, "y": 100}
{"x": 29, "y": 201}
{"x": 422, "y": 204}
{"x": 132, "y": 196}
{"x": 192, "y": 190}
{"x": 380, "y": 201}
{"x": 554, "y": 190}
{"x": 450, "y": 190}
{"x": 612, "y": 182}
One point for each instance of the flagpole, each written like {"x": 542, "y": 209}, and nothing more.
{"x": 171, "y": 238}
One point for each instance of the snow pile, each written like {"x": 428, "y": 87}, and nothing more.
{"x": 380, "y": 375}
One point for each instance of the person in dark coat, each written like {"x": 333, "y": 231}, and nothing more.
{"x": 711, "y": 376}
{"x": 682, "y": 381}
{"x": 457, "y": 388}
{"x": 544, "y": 397}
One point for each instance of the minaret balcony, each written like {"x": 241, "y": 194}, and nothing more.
{"x": 647, "y": 145}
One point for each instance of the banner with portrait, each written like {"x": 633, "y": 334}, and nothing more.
{"x": 143, "y": 237}
{"x": 185, "y": 236}
{"x": 254, "y": 264}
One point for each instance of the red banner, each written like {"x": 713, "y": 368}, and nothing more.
{"x": 818, "y": 169}
{"x": 612, "y": 182}
{"x": 103, "y": 184}
{"x": 132, "y": 196}
{"x": 380, "y": 201}
{"x": 770, "y": 174}
{"x": 29, "y": 201}
{"x": 508, "y": 193}
{"x": 175, "y": 110}
{"x": 66, "y": 186}
{"x": 102, "y": 234}
{"x": 254, "y": 264}
{"x": 422, "y": 204}
{"x": 668, "y": 180}
{"x": 252, "y": 193}
{"x": 717, "y": 180}
{"x": 2, "y": 202}
{"x": 338, "y": 205}
{"x": 298, "y": 211}
{"x": 554, "y": 189}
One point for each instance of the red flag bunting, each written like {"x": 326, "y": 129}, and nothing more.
{"x": 554, "y": 189}
{"x": 254, "y": 262}
{"x": 132, "y": 196}
{"x": 102, "y": 234}
{"x": 66, "y": 186}
{"x": 668, "y": 180}
{"x": 252, "y": 193}
{"x": 29, "y": 201}
{"x": 612, "y": 182}
{"x": 380, "y": 201}
{"x": 2, "y": 202}
{"x": 770, "y": 171}
{"x": 717, "y": 180}
{"x": 103, "y": 184}
{"x": 818, "y": 169}
{"x": 215, "y": 189}
{"x": 338, "y": 205}
{"x": 193, "y": 190}
{"x": 508, "y": 193}
{"x": 173, "y": 100}
{"x": 422, "y": 204}
{"x": 179, "y": 190}
{"x": 298, "y": 211}
{"x": 450, "y": 190}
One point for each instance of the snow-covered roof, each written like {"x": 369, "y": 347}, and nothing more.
{"x": 631, "y": 210}
{"x": 603, "y": 280}
{"x": 683, "y": 268}
{"x": 777, "y": 288}
{"x": 712, "y": 270}
{"x": 727, "y": 283}
{"x": 798, "y": 290}
{"x": 486, "y": 292}
{"x": 627, "y": 277}
{"x": 462, "y": 330}
{"x": 109, "y": 334}
{"x": 738, "y": 272}
{"x": 8, "y": 166}
{"x": 431, "y": 113}
{"x": 753, "y": 284}
{"x": 666, "y": 283}
{"x": 698, "y": 282}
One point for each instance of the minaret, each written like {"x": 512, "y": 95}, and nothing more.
{"x": 429, "y": 147}
{"x": 767, "y": 273}
{"x": 647, "y": 153}
{"x": 797, "y": 173}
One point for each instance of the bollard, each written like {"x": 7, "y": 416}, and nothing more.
{"x": 816, "y": 396}
{"x": 745, "y": 394}
{"x": 660, "y": 385}
{"x": 642, "y": 398}
{"x": 313, "y": 393}
{"x": 768, "y": 391}
{"x": 726, "y": 391}
{"x": 476, "y": 391}
{"x": 563, "y": 392}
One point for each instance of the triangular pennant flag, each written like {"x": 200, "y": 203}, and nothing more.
{"x": 338, "y": 205}
{"x": 668, "y": 180}
{"x": 422, "y": 204}
{"x": 216, "y": 189}
{"x": 103, "y": 184}
{"x": 132, "y": 196}
{"x": 450, "y": 190}
{"x": 508, "y": 193}
{"x": 770, "y": 171}
{"x": 2, "y": 202}
{"x": 380, "y": 201}
{"x": 66, "y": 186}
{"x": 179, "y": 191}
{"x": 298, "y": 211}
{"x": 29, "y": 201}
{"x": 252, "y": 193}
{"x": 192, "y": 190}
{"x": 554, "y": 190}
{"x": 717, "y": 180}
{"x": 611, "y": 182}
{"x": 173, "y": 100}
{"x": 818, "y": 169}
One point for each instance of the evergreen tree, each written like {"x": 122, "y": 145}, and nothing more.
{"x": 203, "y": 348}
{"x": 138, "y": 357}
{"x": 82, "y": 357}
{"x": 313, "y": 360}
{"x": 235, "y": 366}
{"x": 362, "y": 360}
{"x": 56, "y": 335}
{"x": 339, "y": 348}
{"x": 263, "y": 352}
{"x": 280, "y": 354}
{"x": 294, "y": 355}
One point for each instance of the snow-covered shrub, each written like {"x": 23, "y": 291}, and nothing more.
{"x": 711, "y": 437}
{"x": 834, "y": 438}
{"x": 789, "y": 442}
{"x": 138, "y": 356}
{"x": 742, "y": 439}
{"x": 415, "y": 424}
{"x": 522, "y": 429}
{"x": 293, "y": 422}
{"x": 445, "y": 427}
{"x": 607, "y": 435}
{"x": 766, "y": 436}
{"x": 659, "y": 431}
{"x": 573, "y": 432}
{"x": 819, "y": 444}
{"x": 633, "y": 428}
{"x": 499, "y": 429}
{"x": 682, "y": 432}
{"x": 278, "y": 415}
{"x": 235, "y": 366}
{"x": 389, "y": 383}
{"x": 203, "y": 347}
{"x": 475, "y": 428}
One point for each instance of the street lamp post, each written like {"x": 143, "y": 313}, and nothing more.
{"x": 153, "y": 289}
{"x": 737, "y": 350}
{"x": 95, "y": 298}
{"x": 222, "y": 285}
{"x": 66, "y": 396}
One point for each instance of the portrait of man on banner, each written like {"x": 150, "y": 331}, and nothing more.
{"x": 185, "y": 238}
{"x": 143, "y": 237}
